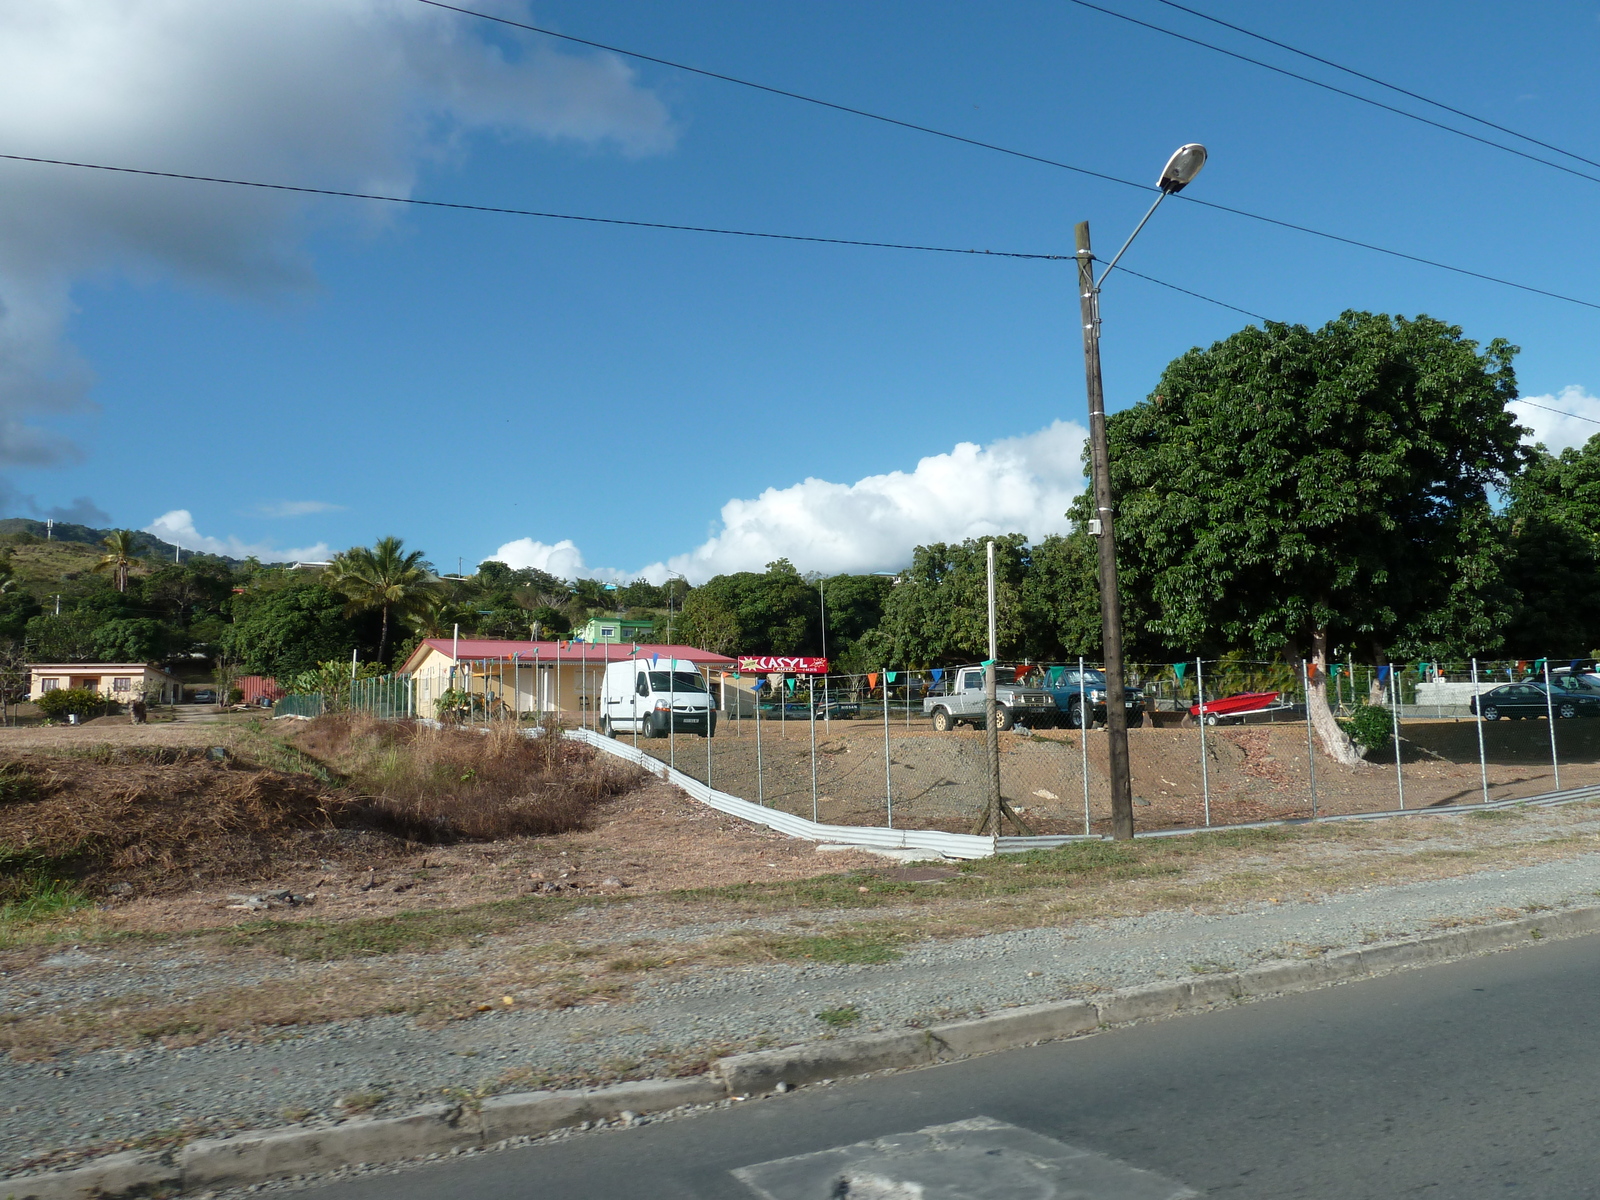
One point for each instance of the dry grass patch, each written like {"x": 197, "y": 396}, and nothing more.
{"x": 444, "y": 785}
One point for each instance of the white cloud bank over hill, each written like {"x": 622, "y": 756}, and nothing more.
{"x": 1555, "y": 430}
{"x": 348, "y": 94}
{"x": 178, "y": 528}
{"x": 1014, "y": 485}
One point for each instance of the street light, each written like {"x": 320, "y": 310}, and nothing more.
{"x": 1180, "y": 170}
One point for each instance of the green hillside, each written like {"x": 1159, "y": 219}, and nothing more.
{"x": 68, "y": 534}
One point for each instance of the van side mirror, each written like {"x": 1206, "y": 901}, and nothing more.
{"x": 643, "y": 687}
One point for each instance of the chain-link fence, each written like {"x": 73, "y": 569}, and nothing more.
{"x": 1211, "y": 741}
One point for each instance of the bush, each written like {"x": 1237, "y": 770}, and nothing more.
{"x": 1370, "y": 727}
{"x": 62, "y": 702}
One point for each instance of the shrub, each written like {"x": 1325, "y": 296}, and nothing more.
{"x": 1369, "y": 727}
{"x": 62, "y": 702}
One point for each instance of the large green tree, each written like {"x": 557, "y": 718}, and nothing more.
{"x": 384, "y": 579}
{"x": 1294, "y": 490}
{"x": 1553, "y": 521}
{"x": 938, "y": 611}
{"x": 749, "y": 612}
{"x": 284, "y": 631}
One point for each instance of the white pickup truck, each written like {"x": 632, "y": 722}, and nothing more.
{"x": 1014, "y": 703}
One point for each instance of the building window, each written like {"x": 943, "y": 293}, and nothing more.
{"x": 49, "y": 685}
{"x": 121, "y": 684}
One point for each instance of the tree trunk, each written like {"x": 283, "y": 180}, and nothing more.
{"x": 383, "y": 638}
{"x": 1334, "y": 740}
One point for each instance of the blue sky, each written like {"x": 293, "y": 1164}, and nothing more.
{"x": 290, "y": 375}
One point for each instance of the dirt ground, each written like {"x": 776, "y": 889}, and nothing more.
{"x": 1252, "y": 773}
{"x": 652, "y": 839}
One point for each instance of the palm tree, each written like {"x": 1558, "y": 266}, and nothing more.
{"x": 118, "y": 557}
{"x": 383, "y": 578}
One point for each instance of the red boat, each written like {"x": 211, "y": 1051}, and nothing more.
{"x": 1240, "y": 704}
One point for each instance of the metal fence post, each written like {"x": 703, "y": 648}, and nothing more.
{"x": 1083, "y": 739}
{"x": 1550, "y": 716}
{"x": 888, "y": 784}
{"x": 1394, "y": 721}
{"x": 761, "y": 796}
{"x": 1205, "y": 770}
{"x": 1311, "y": 750}
{"x": 1477, "y": 708}
{"x": 811, "y": 703}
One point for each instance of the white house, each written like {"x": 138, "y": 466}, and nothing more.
{"x": 116, "y": 681}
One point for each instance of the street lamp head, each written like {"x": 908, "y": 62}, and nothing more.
{"x": 1182, "y": 167}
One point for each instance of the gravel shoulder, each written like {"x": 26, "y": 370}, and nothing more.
{"x": 126, "y": 1038}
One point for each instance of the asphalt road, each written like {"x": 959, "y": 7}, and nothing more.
{"x": 1472, "y": 1079}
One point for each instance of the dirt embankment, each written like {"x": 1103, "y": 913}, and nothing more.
{"x": 162, "y": 819}
{"x": 370, "y": 823}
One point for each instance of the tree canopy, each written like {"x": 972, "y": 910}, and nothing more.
{"x": 1293, "y": 490}
{"x": 1289, "y": 488}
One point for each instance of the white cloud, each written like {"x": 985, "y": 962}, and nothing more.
{"x": 1015, "y": 485}
{"x": 1555, "y": 430}
{"x": 347, "y": 94}
{"x": 297, "y": 508}
{"x": 563, "y": 560}
{"x": 178, "y": 528}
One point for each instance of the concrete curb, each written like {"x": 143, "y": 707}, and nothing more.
{"x": 273, "y": 1154}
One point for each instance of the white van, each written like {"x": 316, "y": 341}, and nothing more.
{"x": 651, "y": 698}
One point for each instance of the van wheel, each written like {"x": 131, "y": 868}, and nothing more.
{"x": 605, "y": 728}
{"x": 941, "y": 721}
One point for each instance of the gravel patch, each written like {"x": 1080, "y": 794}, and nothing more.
{"x": 103, "y": 1098}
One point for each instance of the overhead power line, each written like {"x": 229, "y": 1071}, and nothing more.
{"x": 1014, "y": 153}
{"x": 1266, "y": 66}
{"x": 1547, "y": 408}
{"x": 1393, "y": 87}
{"x": 526, "y": 212}
{"x": 554, "y": 216}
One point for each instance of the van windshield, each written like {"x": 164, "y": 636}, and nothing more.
{"x": 676, "y": 681}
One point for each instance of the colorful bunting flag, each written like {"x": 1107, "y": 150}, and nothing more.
{"x": 890, "y": 675}
{"x": 1383, "y": 674}
{"x": 1178, "y": 669}
{"x": 1055, "y": 674}
{"x": 938, "y": 674}
{"x": 872, "y": 679}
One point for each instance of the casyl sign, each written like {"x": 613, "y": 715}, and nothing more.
{"x": 776, "y": 664}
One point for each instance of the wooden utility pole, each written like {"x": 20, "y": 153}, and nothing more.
{"x": 1102, "y": 527}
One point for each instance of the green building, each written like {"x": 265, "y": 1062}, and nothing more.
{"x": 615, "y": 630}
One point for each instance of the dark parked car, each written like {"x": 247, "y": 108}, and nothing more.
{"x": 1516, "y": 700}
{"x": 1069, "y": 697}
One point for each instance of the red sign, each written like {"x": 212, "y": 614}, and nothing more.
{"x": 773, "y": 664}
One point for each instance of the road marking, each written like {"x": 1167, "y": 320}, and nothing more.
{"x": 979, "y": 1159}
